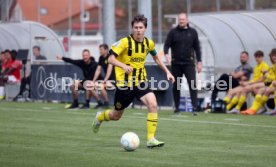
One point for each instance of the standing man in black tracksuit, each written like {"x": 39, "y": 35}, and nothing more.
{"x": 184, "y": 43}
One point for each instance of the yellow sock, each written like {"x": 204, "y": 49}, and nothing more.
{"x": 257, "y": 103}
{"x": 264, "y": 100}
{"x": 104, "y": 116}
{"x": 226, "y": 99}
{"x": 233, "y": 102}
{"x": 151, "y": 125}
{"x": 241, "y": 102}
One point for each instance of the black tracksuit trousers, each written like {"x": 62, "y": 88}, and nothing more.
{"x": 190, "y": 73}
{"x": 230, "y": 83}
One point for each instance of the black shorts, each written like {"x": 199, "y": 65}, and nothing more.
{"x": 125, "y": 95}
{"x": 83, "y": 83}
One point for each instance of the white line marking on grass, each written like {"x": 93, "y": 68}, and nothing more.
{"x": 165, "y": 119}
{"x": 231, "y": 119}
{"x": 19, "y": 109}
{"x": 160, "y": 161}
{"x": 180, "y": 116}
{"x": 46, "y": 108}
{"x": 38, "y": 110}
{"x": 209, "y": 122}
{"x": 138, "y": 113}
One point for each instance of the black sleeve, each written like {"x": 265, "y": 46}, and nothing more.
{"x": 168, "y": 42}
{"x": 196, "y": 46}
{"x": 75, "y": 62}
{"x": 108, "y": 55}
{"x": 111, "y": 52}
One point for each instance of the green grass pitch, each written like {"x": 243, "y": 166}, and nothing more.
{"x": 47, "y": 135}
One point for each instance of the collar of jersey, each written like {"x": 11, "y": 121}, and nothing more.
{"x": 131, "y": 35}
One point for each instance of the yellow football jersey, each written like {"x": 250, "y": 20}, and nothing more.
{"x": 271, "y": 75}
{"x": 132, "y": 53}
{"x": 258, "y": 71}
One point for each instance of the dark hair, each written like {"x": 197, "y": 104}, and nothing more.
{"x": 13, "y": 54}
{"x": 259, "y": 53}
{"x": 273, "y": 52}
{"x": 244, "y": 52}
{"x": 140, "y": 18}
{"x": 36, "y": 47}
{"x": 85, "y": 50}
{"x": 104, "y": 45}
{"x": 7, "y": 50}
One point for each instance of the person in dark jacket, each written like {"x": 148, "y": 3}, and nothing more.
{"x": 88, "y": 66}
{"x": 104, "y": 75}
{"x": 27, "y": 79}
{"x": 184, "y": 44}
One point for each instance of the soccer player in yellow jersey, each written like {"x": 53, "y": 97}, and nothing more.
{"x": 128, "y": 55}
{"x": 238, "y": 95}
{"x": 264, "y": 93}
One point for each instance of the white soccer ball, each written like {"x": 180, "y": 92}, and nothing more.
{"x": 130, "y": 141}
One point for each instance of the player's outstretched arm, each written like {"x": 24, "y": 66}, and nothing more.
{"x": 170, "y": 77}
{"x": 68, "y": 60}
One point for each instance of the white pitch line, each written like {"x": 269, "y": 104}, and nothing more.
{"x": 164, "y": 119}
{"x": 209, "y": 122}
{"x": 43, "y": 110}
{"x": 47, "y": 108}
{"x": 19, "y": 109}
{"x": 139, "y": 113}
{"x": 231, "y": 119}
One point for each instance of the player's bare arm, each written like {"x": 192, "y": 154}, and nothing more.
{"x": 164, "y": 68}
{"x": 108, "y": 72}
{"x": 97, "y": 73}
{"x": 112, "y": 60}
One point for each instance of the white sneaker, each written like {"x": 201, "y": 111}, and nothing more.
{"x": 271, "y": 112}
{"x": 233, "y": 111}
{"x": 96, "y": 123}
{"x": 154, "y": 143}
{"x": 261, "y": 111}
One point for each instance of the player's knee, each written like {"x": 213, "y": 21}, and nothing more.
{"x": 116, "y": 116}
{"x": 72, "y": 87}
{"x": 101, "y": 87}
{"x": 152, "y": 106}
{"x": 268, "y": 92}
{"x": 246, "y": 89}
{"x": 97, "y": 86}
{"x": 230, "y": 92}
{"x": 274, "y": 83}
